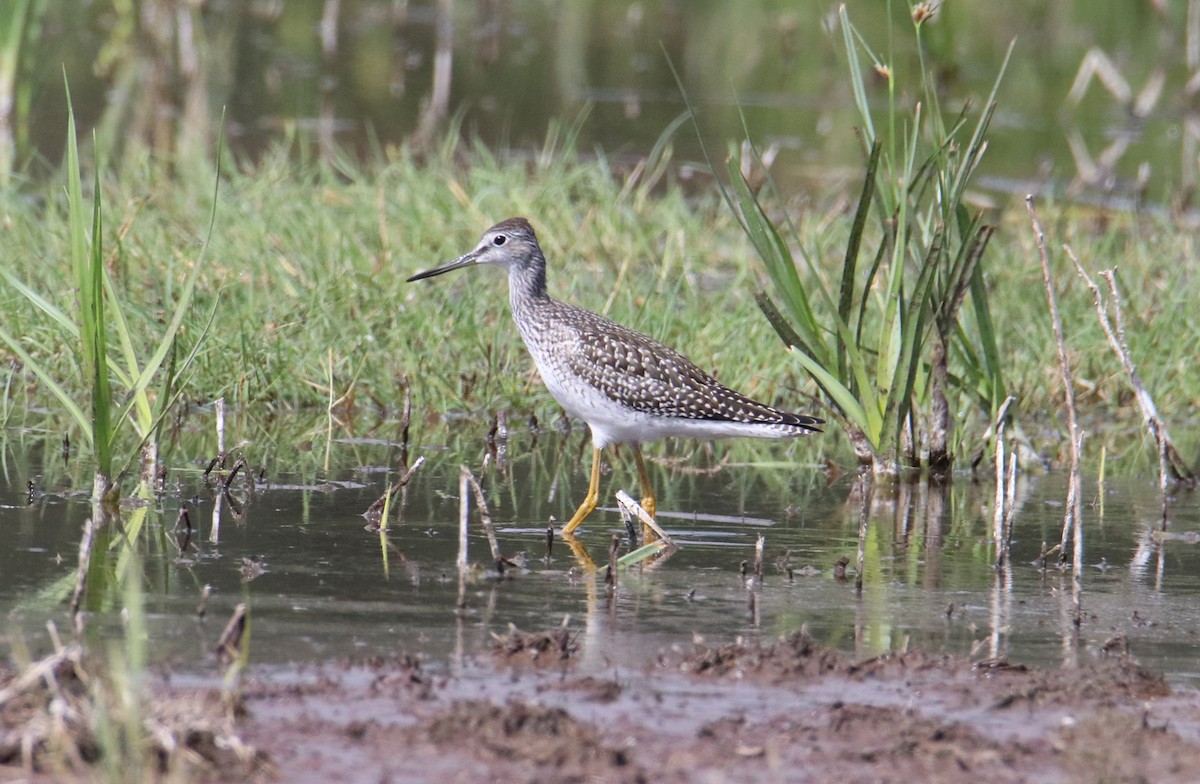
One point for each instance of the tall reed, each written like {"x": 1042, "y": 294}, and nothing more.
{"x": 879, "y": 342}
{"x": 91, "y": 329}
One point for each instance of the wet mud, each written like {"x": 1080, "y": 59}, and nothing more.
{"x": 528, "y": 710}
{"x": 787, "y": 711}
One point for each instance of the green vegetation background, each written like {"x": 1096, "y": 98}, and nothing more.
{"x": 309, "y": 263}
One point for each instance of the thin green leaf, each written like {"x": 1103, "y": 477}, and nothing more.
{"x": 643, "y": 553}
{"x": 101, "y": 383}
{"x": 43, "y": 304}
{"x": 44, "y": 376}
{"x": 841, "y": 396}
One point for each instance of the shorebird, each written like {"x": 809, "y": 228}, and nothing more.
{"x": 626, "y": 386}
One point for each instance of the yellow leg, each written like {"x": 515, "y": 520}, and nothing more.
{"x": 647, "y": 490}
{"x": 648, "y": 503}
{"x": 593, "y": 497}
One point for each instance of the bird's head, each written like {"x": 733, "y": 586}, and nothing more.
{"x": 509, "y": 243}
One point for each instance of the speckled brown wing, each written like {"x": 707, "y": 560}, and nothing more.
{"x": 642, "y": 374}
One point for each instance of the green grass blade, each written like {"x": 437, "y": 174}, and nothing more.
{"x": 104, "y": 435}
{"x": 43, "y": 304}
{"x": 781, "y": 268}
{"x": 857, "y": 83}
{"x": 44, "y": 376}
{"x": 131, "y": 370}
{"x": 83, "y": 266}
{"x": 850, "y": 261}
{"x": 783, "y": 328}
{"x": 138, "y": 398}
{"x": 175, "y": 383}
{"x": 842, "y": 397}
{"x": 644, "y": 552}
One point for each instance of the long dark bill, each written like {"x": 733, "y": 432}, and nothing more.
{"x": 465, "y": 260}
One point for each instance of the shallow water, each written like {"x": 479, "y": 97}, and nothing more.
{"x": 326, "y": 589}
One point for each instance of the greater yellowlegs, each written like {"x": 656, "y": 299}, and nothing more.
{"x": 627, "y": 387}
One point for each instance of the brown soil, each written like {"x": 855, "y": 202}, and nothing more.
{"x": 788, "y": 711}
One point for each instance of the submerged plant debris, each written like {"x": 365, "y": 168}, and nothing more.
{"x": 544, "y": 647}
{"x": 54, "y": 713}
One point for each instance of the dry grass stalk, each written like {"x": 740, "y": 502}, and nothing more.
{"x": 229, "y": 644}
{"x": 863, "y": 487}
{"x": 85, "y": 557}
{"x": 1006, "y": 488}
{"x": 65, "y": 700}
{"x": 1072, "y": 522}
{"x": 376, "y": 512}
{"x": 464, "y": 512}
{"x": 485, "y": 517}
{"x": 1169, "y": 460}
{"x": 998, "y": 505}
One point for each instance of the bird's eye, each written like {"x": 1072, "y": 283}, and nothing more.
{"x": 499, "y": 240}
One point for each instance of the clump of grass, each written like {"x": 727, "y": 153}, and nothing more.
{"x": 879, "y": 339}
{"x": 87, "y": 718}
{"x": 102, "y": 420}
{"x": 309, "y": 261}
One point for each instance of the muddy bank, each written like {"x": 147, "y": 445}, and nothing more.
{"x": 787, "y": 711}
{"x": 790, "y": 711}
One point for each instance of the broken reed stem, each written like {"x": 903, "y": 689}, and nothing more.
{"x": 999, "y": 509}
{"x": 464, "y": 511}
{"x": 42, "y": 671}
{"x": 485, "y": 517}
{"x": 220, "y": 406}
{"x": 1170, "y": 463}
{"x": 229, "y": 644}
{"x": 379, "y": 512}
{"x": 405, "y": 419}
{"x": 610, "y": 572}
{"x": 202, "y": 605}
{"x": 626, "y": 503}
{"x": 1010, "y": 501}
{"x": 759, "y": 546}
{"x": 85, "y": 558}
{"x": 1075, "y": 503}
{"x": 864, "y": 485}
{"x": 329, "y": 409}
{"x": 1071, "y": 521}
